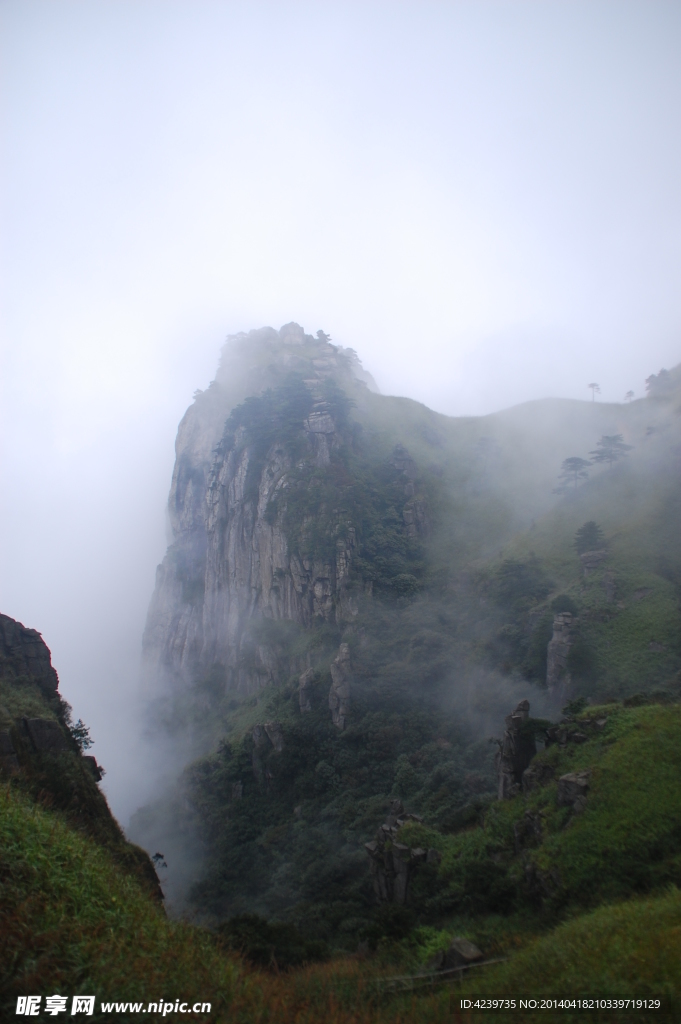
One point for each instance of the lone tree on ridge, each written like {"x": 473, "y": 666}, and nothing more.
{"x": 629, "y": 395}
{"x": 595, "y": 390}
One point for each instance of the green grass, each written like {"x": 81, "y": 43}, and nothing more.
{"x": 630, "y": 949}
{"x": 71, "y": 921}
{"x": 626, "y": 841}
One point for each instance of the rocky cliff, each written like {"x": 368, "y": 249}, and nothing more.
{"x": 232, "y": 563}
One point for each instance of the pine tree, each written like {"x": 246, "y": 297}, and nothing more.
{"x": 610, "y": 448}
{"x": 588, "y": 537}
{"x": 574, "y": 469}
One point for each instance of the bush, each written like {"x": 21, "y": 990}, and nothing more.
{"x": 270, "y": 944}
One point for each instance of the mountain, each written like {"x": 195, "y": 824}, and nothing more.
{"x": 358, "y": 592}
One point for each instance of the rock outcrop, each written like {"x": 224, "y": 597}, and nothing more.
{"x": 573, "y": 789}
{"x": 25, "y": 657}
{"x": 393, "y": 863}
{"x": 592, "y": 560}
{"x": 461, "y": 953}
{"x": 230, "y": 567}
{"x": 304, "y": 685}
{"x": 339, "y": 694}
{"x": 516, "y": 750}
{"x": 45, "y": 735}
{"x": 266, "y": 738}
{"x": 557, "y": 672}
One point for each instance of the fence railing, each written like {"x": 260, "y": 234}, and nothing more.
{"x": 408, "y": 982}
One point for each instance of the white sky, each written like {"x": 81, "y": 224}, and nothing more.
{"x": 482, "y": 198}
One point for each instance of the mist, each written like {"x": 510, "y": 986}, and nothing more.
{"x": 481, "y": 199}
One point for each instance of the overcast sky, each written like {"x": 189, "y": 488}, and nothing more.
{"x": 481, "y": 198}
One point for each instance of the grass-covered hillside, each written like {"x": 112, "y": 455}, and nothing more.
{"x": 584, "y": 905}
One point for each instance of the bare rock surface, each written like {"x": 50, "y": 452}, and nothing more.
{"x": 573, "y": 787}
{"x": 339, "y": 694}
{"x": 304, "y": 684}
{"x": 516, "y": 750}
{"x": 461, "y": 952}
{"x": 24, "y": 656}
{"x": 45, "y": 735}
{"x": 592, "y": 560}
{"x": 557, "y": 673}
{"x": 393, "y": 863}
{"x": 229, "y": 565}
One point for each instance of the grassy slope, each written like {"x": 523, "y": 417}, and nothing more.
{"x": 627, "y": 840}
{"x": 72, "y": 921}
{"x": 633, "y": 634}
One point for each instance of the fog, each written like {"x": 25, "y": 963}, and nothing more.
{"x": 480, "y": 198}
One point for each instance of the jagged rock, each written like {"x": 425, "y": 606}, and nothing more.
{"x": 556, "y": 734}
{"x": 527, "y": 831}
{"x": 415, "y": 515}
{"x": 260, "y": 737}
{"x": 45, "y": 735}
{"x": 96, "y": 769}
{"x": 460, "y": 953}
{"x": 403, "y": 462}
{"x": 275, "y": 735}
{"x": 557, "y": 674}
{"x": 579, "y": 805}
{"x": 323, "y": 429}
{"x": 292, "y": 333}
{"x": 304, "y": 685}
{"x": 537, "y": 775}
{"x": 516, "y": 750}
{"x": 572, "y": 787}
{"x": 401, "y": 857}
{"x": 393, "y": 863}
{"x": 24, "y": 656}
{"x": 339, "y": 694}
{"x": 591, "y": 560}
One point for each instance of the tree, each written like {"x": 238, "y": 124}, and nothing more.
{"x": 610, "y": 448}
{"x": 574, "y": 469}
{"x": 659, "y": 384}
{"x": 323, "y": 337}
{"x": 629, "y": 395}
{"x": 588, "y": 537}
{"x": 595, "y": 390}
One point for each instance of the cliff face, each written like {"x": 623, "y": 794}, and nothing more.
{"x": 231, "y": 564}
{"x": 24, "y": 656}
